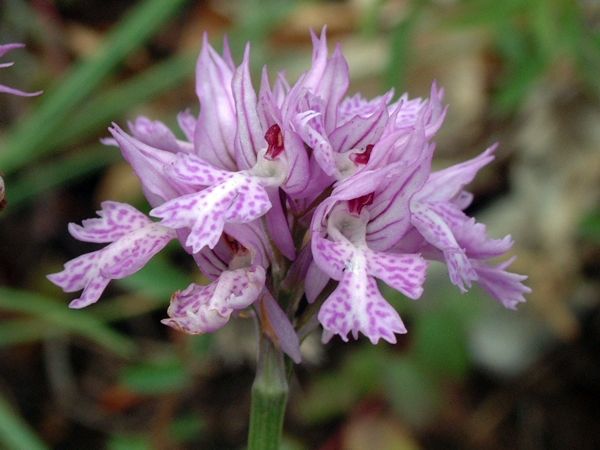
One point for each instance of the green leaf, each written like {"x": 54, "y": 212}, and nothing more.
{"x": 589, "y": 226}
{"x": 412, "y": 391}
{"x": 400, "y": 50}
{"x": 39, "y": 178}
{"x": 330, "y": 395}
{"x": 156, "y": 377}
{"x": 129, "y": 442}
{"x": 187, "y": 427}
{"x": 28, "y": 139}
{"x": 98, "y": 113}
{"x": 365, "y": 366}
{"x": 440, "y": 344}
{"x": 338, "y": 391}
{"x": 52, "y": 313}
{"x": 15, "y": 433}
{"x": 22, "y": 331}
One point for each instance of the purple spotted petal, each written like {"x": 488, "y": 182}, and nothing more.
{"x": 360, "y": 131}
{"x": 359, "y": 106}
{"x": 204, "y": 309}
{"x": 310, "y": 125}
{"x": 116, "y": 220}
{"x": 328, "y": 78}
{"x": 239, "y": 199}
{"x": 80, "y": 273}
{"x": 356, "y": 306}
{"x": 187, "y": 123}
{"x": 158, "y": 135}
{"x": 332, "y": 257}
{"x": 437, "y": 232}
{"x": 128, "y": 254}
{"x": 269, "y": 111}
{"x": 474, "y": 239}
{"x": 405, "y": 273}
{"x": 390, "y": 211}
{"x": 192, "y": 170}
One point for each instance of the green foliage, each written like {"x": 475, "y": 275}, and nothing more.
{"x": 121, "y": 442}
{"x": 530, "y": 38}
{"x": 28, "y": 140}
{"x": 589, "y": 227}
{"x": 14, "y": 433}
{"x": 413, "y": 390}
{"x": 47, "y": 318}
{"x": 162, "y": 376}
{"x": 413, "y": 381}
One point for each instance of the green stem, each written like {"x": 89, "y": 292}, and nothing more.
{"x": 269, "y": 398}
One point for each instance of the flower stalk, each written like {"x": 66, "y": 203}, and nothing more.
{"x": 269, "y": 398}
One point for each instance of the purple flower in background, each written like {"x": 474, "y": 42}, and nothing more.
{"x": 3, "y": 50}
{"x": 2, "y": 199}
{"x": 294, "y": 193}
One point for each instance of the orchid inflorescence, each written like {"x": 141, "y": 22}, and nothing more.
{"x": 293, "y": 200}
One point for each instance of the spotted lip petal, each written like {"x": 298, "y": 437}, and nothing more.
{"x": 204, "y": 309}
{"x": 125, "y": 256}
{"x": 356, "y": 304}
{"x": 239, "y": 198}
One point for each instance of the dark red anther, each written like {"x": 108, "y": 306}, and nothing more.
{"x": 362, "y": 158}
{"x": 235, "y": 247}
{"x": 274, "y": 138}
{"x": 357, "y": 204}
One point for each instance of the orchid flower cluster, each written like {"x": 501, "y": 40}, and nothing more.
{"x": 294, "y": 200}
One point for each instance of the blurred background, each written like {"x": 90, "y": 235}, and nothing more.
{"x": 468, "y": 375}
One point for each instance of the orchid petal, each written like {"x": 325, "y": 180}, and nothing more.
{"x": 439, "y": 234}
{"x": 504, "y": 286}
{"x": 357, "y": 306}
{"x": 238, "y": 199}
{"x": 116, "y": 220}
{"x": 123, "y": 257}
{"x": 216, "y": 127}
{"x": 204, "y": 309}
{"x": 249, "y": 137}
